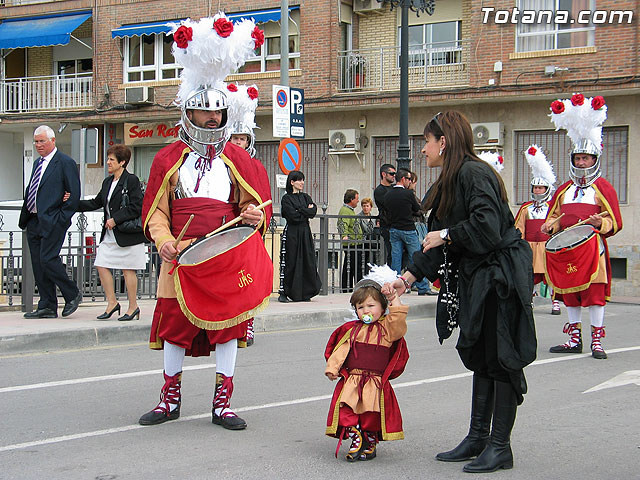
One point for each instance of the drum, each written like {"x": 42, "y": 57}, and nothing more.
{"x": 224, "y": 279}
{"x": 571, "y": 259}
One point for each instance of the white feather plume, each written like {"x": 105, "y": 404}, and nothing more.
{"x": 494, "y": 159}
{"x": 580, "y": 121}
{"x": 540, "y": 166}
{"x": 242, "y": 108}
{"x": 380, "y": 274}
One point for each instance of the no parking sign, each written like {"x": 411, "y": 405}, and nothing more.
{"x": 288, "y": 112}
{"x": 289, "y": 155}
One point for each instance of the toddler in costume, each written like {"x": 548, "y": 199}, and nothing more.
{"x": 363, "y": 355}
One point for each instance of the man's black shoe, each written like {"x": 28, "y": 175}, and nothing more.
{"x": 42, "y": 313}
{"x": 72, "y": 305}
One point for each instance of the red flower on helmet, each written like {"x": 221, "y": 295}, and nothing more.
{"x": 577, "y": 99}
{"x": 258, "y": 37}
{"x": 232, "y": 87}
{"x": 557, "y": 106}
{"x": 597, "y": 102}
{"x": 182, "y": 36}
{"x": 532, "y": 151}
{"x": 223, "y": 26}
{"x": 252, "y": 92}
{"x": 500, "y": 159}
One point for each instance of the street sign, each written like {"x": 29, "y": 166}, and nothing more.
{"x": 289, "y": 155}
{"x": 288, "y": 112}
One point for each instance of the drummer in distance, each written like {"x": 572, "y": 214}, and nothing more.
{"x": 588, "y": 198}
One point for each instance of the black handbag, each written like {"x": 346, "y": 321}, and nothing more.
{"x": 128, "y": 226}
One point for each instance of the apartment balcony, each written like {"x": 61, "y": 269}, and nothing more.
{"x": 436, "y": 65}
{"x": 47, "y": 94}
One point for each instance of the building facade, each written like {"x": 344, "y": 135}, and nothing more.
{"x": 107, "y": 65}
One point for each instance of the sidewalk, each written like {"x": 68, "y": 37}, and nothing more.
{"x": 81, "y": 329}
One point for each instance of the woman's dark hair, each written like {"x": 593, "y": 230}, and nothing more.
{"x": 121, "y": 152}
{"x": 456, "y": 130}
{"x": 359, "y": 295}
{"x": 293, "y": 176}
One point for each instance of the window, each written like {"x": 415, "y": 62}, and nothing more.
{"x": 149, "y": 58}
{"x": 75, "y": 67}
{"x": 557, "y": 147}
{"x": 267, "y": 57}
{"x": 549, "y": 29}
{"x": 434, "y": 44}
{"x": 76, "y": 75}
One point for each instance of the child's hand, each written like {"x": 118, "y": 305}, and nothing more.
{"x": 331, "y": 376}
{"x": 391, "y": 295}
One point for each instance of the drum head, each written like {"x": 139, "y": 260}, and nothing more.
{"x": 569, "y": 238}
{"x": 209, "y": 247}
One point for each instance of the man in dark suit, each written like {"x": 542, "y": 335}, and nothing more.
{"x": 46, "y": 218}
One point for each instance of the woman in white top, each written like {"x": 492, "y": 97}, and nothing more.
{"x": 119, "y": 249}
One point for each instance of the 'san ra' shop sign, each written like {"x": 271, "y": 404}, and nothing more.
{"x": 152, "y": 133}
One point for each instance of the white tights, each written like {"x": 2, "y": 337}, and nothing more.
{"x": 225, "y": 358}
{"x": 596, "y": 315}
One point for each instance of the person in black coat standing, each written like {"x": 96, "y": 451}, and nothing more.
{"x": 301, "y": 279}
{"x": 119, "y": 249}
{"x": 485, "y": 270}
{"x": 46, "y": 217}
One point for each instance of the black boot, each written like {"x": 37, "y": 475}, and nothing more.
{"x": 478, "y": 436}
{"x": 497, "y": 453}
{"x": 169, "y": 396}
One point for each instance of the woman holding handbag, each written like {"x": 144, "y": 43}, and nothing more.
{"x": 121, "y": 241}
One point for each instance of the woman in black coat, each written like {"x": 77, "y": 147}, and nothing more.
{"x": 301, "y": 279}
{"x": 486, "y": 278}
{"x": 118, "y": 249}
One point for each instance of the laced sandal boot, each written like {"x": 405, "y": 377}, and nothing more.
{"x": 555, "y": 308}
{"x": 221, "y": 413}
{"x": 574, "y": 344}
{"x": 596, "y": 347}
{"x": 497, "y": 454}
{"x": 481, "y": 411}
{"x": 357, "y": 445}
{"x": 250, "y": 336}
{"x": 169, "y": 396}
{"x": 370, "y": 440}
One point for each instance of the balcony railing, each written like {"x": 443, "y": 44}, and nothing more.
{"x": 50, "y": 93}
{"x": 432, "y": 65}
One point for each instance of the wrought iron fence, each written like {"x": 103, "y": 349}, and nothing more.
{"x": 53, "y": 92}
{"x": 340, "y": 262}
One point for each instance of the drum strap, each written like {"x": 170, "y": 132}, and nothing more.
{"x": 209, "y": 215}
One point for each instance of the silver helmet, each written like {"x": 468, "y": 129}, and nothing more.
{"x": 539, "y": 198}
{"x": 583, "y": 177}
{"x": 208, "y": 142}
{"x": 241, "y": 128}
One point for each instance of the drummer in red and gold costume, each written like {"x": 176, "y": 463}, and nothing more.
{"x": 201, "y": 174}
{"x": 533, "y": 213}
{"x": 589, "y": 197}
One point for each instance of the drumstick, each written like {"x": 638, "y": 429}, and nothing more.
{"x": 603, "y": 214}
{"x": 552, "y": 224}
{"x": 237, "y": 219}
{"x": 183, "y": 231}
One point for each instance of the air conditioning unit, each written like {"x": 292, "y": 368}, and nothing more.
{"x": 346, "y": 139}
{"x": 139, "y": 95}
{"x": 362, "y": 6}
{"x": 487, "y": 134}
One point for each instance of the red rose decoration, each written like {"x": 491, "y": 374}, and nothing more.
{"x": 532, "y": 151}
{"x": 597, "y": 102}
{"x": 252, "y": 92}
{"x": 557, "y": 106}
{"x": 232, "y": 87}
{"x": 577, "y": 99}
{"x": 183, "y": 36}
{"x": 500, "y": 159}
{"x": 258, "y": 37}
{"x": 223, "y": 26}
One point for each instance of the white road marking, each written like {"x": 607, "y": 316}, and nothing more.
{"x": 626, "y": 378}
{"x": 126, "y": 428}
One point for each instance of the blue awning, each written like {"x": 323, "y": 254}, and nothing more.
{"x": 260, "y": 16}
{"x": 40, "y": 31}
{"x": 143, "y": 29}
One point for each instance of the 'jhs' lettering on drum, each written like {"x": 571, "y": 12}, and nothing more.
{"x": 245, "y": 279}
{"x": 571, "y": 268}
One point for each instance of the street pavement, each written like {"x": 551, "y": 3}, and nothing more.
{"x": 70, "y": 410}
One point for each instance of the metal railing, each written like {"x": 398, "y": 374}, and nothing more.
{"x": 338, "y": 261}
{"x": 431, "y": 65}
{"x": 47, "y": 93}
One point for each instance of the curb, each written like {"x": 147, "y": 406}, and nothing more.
{"x": 119, "y": 334}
